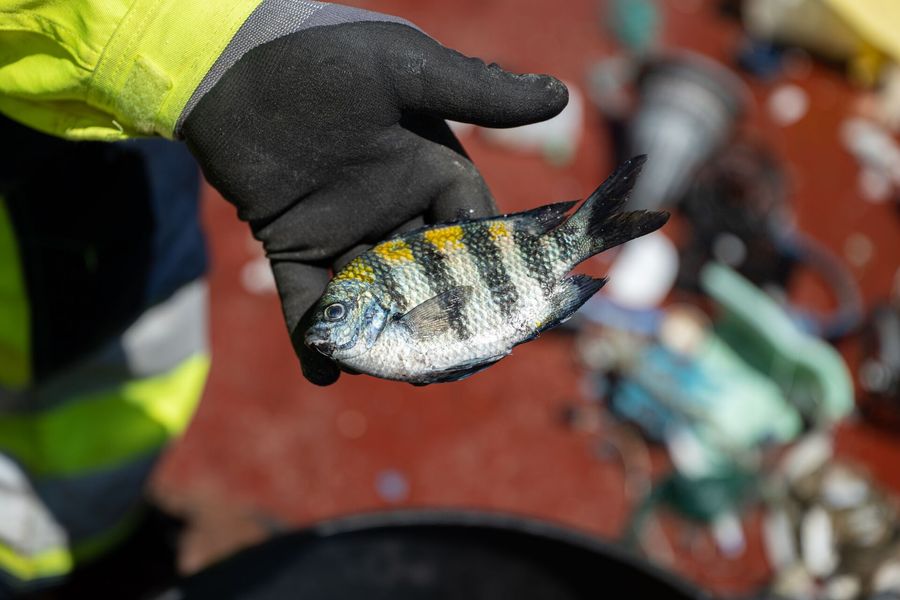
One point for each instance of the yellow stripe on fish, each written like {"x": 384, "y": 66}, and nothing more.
{"x": 394, "y": 252}
{"x": 498, "y": 231}
{"x": 356, "y": 270}
{"x": 446, "y": 239}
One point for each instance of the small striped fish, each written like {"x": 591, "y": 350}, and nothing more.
{"x": 441, "y": 303}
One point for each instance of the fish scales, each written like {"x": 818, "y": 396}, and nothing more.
{"x": 443, "y": 302}
{"x": 482, "y": 243}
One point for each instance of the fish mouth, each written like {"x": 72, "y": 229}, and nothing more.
{"x": 315, "y": 341}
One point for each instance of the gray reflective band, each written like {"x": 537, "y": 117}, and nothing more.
{"x": 273, "y": 19}
{"x": 157, "y": 342}
{"x": 59, "y": 512}
{"x": 26, "y": 525}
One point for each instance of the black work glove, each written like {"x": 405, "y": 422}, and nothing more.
{"x": 329, "y": 138}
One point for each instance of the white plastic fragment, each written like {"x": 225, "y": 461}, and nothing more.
{"x": 788, "y": 104}
{"x": 778, "y": 539}
{"x": 257, "y": 278}
{"x": 818, "y": 542}
{"x": 807, "y": 456}
{"x": 643, "y": 272}
{"x": 729, "y": 535}
{"x": 873, "y": 147}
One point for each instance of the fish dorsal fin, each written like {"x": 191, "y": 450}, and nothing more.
{"x": 433, "y": 317}
{"x": 535, "y": 221}
{"x": 543, "y": 218}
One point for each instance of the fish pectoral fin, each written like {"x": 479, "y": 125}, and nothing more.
{"x": 433, "y": 317}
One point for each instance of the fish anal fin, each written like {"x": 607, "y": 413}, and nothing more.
{"x": 569, "y": 295}
{"x": 459, "y": 372}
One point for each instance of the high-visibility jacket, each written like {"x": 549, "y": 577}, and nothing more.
{"x": 103, "y": 345}
{"x": 79, "y": 434}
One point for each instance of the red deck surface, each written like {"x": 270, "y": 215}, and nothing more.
{"x": 264, "y": 441}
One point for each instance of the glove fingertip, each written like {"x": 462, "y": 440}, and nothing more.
{"x": 317, "y": 369}
{"x": 551, "y": 92}
{"x": 320, "y": 375}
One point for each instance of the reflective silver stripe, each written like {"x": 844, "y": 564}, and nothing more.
{"x": 26, "y": 525}
{"x": 60, "y": 512}
{"x": 271, "y": 20}
{"x": 158, "y": 341}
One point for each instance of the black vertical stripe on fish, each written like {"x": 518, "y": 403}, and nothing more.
{"x": 385, "y": 277}
{"x": 568, "y": 246}
{"x": 439, "y": 279}
{"x": 539, "y": 266}
{"x": 488, "y": 261}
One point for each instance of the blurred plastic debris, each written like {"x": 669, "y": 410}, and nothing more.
{"x": 609, "y": 80}
{"x": 749, "y": 378}
{"x": 848, "y": 315}
{"x": 687, "y": 108}
{"x": 760, "y": 58}
{"x": 710, "y": 501}
{"x": 684, "y": 329}
{"x": 888, "y": 107}
{"x": 879, "y": 371}
{"x": 874, "y": 186}
{"x": 882, "y": 105}
{"x": 811, "y": 24}
{"x": 860, "y": 33}
{"x": 788, "y": 104}
{"x": 878, "y": 154}
{"x": 817, "y": 542}
{"x": 876, "y": 22}
{"x": 256, "y": 276}
{"x": 556, "y": 139}
{"x": 643, "y": 272}
{"x": 729, "y": 407}
{"x": 809, "y": 371}
{"x": 737, "y": 212}
{"x": 634, "y": 23}
{"x": 829, "y": 531}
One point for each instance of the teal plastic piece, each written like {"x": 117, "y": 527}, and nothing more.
{"x": 810, "y": 372}
{"x": 635, "y": 23}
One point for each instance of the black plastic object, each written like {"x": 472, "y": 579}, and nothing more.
{"x": 409, "y": 555}
{"x": 879, "y": 372}
{"x": 687, "y": 110}
{"x": 739, "y": 214}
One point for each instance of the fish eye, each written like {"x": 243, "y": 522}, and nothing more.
{"x": 334, "y": 312}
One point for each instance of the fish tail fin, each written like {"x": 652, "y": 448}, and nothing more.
{"x": 600, "y": 224}
{"x": 568, "y": 296}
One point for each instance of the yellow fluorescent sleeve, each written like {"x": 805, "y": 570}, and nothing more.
{"x": 109, "y": 69}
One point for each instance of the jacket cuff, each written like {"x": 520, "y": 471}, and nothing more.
{"x": 157, "y": 57}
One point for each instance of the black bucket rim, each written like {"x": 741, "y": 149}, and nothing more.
{"x": 485, "y": 520}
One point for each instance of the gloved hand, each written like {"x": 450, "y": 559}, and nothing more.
{"x": 330, "y": 134}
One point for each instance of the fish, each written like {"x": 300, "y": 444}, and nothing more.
{"x": 443, "y": 302}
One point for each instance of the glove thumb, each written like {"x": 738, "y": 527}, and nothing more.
{"x": 444, "y": 83}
